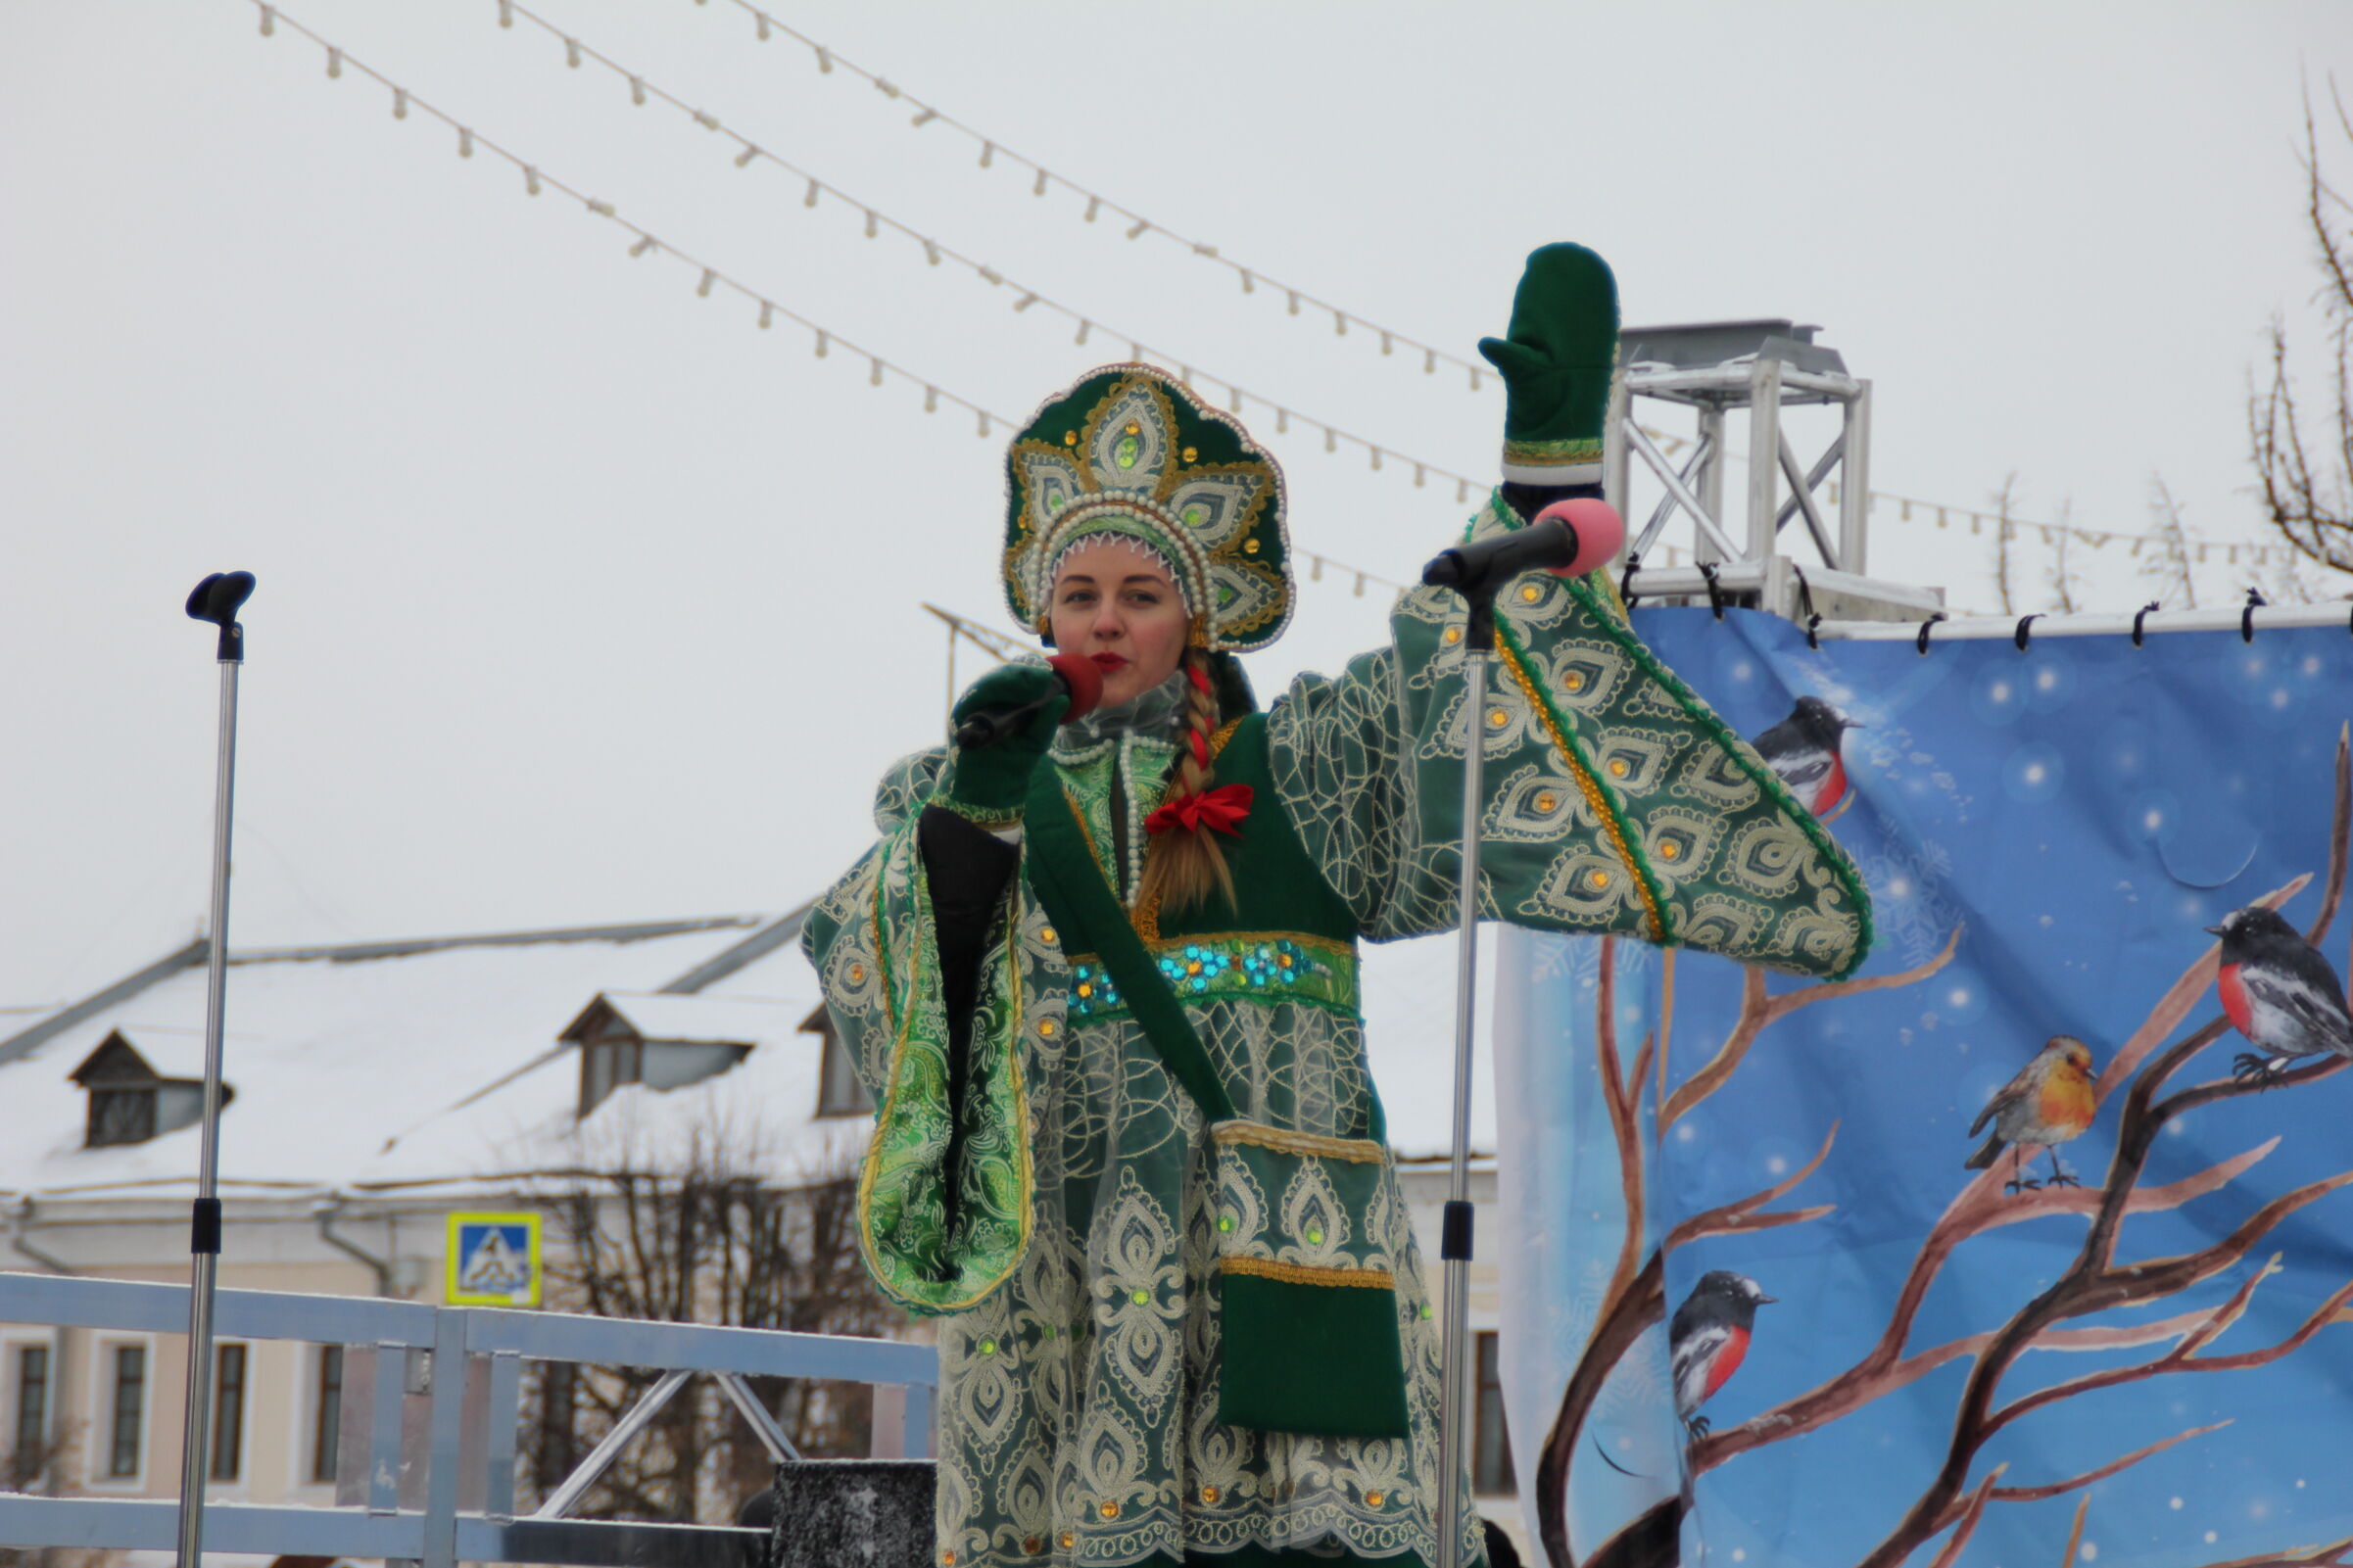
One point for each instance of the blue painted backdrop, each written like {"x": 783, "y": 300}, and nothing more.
{"x": 2080, "y": 811}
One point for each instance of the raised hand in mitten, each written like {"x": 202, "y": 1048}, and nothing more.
{"x": 1556, "y": 362}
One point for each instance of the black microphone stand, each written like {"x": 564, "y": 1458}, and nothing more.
{"x": 216, "y": 599}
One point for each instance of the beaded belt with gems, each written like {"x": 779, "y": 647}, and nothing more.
{"x": 1260, "y": 967}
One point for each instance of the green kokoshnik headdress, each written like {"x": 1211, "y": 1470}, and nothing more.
{"x": 1130, "y": 453}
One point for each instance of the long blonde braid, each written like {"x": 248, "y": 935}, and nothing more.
{"x": 1183, "y": 864}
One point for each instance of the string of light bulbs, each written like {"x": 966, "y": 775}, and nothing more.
{"x": 537, "y": 180}
{"x": 1043, "y": 179}
{"x": 826, "y": 339}
{"x": 642, "y": 90}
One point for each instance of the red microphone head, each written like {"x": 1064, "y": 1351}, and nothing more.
{"x": 1085, "y": 683}
{"x": 1599, "y": 529}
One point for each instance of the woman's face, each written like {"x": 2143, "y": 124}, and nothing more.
{"x": 1115, "y": 605}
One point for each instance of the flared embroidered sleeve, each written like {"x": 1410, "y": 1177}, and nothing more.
{"x": 1616, "y": 799}
{"x": 872, "y": 941}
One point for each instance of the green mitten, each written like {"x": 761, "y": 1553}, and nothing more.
{"x": 987, "y": 783}
{"x": 1557, "y": 363}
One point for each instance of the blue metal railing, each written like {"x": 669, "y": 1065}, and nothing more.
{"x": 429, "y": 1524}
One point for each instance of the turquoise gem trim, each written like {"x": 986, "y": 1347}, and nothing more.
{"x": 1259, "y": 968}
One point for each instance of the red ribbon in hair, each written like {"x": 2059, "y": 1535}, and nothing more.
{"x": 1220, "y": 810}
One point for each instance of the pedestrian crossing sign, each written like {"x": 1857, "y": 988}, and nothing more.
{"x": 493, "y": 1261}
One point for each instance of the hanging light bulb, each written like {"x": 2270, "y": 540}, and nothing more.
{"x": 1282, "y": 422}
{"x": 1389, "y": 346}
{"x": 1094, "y": 204}
{"x": 334, "y": 64}
{"x": 1025, "y": 301}
{"x": 703, "y": 290}
{"x": 1038, "y": 187}
{"x": 1234, "y": 399}
{"x": 1430, "y": 361}
{"x": 530, "y": 181}
{"x": 706, "y": 120}
{"x": 810, "y": 200}
{"x": 767, "y": 315}
{"x": 571, "y": 53}
{"x": 1377, "y": 459}
{"x": 1137, "y": 232}
{"x": 930, "y": 252}
{"x": 930, "y": 400}
{"x": 637, "y": 91}
{"x": 400, "y": 103}
{"x": 991, "y": 276}
{"x": 874, "y": 375}
{"x": 1339, "y": 324}
{"x": 465, "y": 142}
{"x": 825, "y": 344}
{"x": 1249, "y": 283}
{"x": 1294, "y": 305}
{"x": 760, "y": 20}
{"x": 744, "y": 159}
{"x": 1421, "y": 476}
{"x": 1084, "y": 326}
{"x": 1332, "y": 439}
{"x": 886, "y": 88}
{"x": 1461, "y": 491}
{"x": 988, "y": 154}
{"x": 600, "y": 208}
{"x": 825, "y": 61}
{"x": 506, "y": 13}
{"x": 269, "y": 21}
{"x": 870, "y": 223}
{"x": 983, "y": 429}
{"x": 645, "y": 243}
{"x": 924, "y": 117}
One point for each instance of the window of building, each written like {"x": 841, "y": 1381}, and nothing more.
{"x": 1491, "y": 1443}
{"x": 130, "y": 1411}
{"x": 32, "y": 1412}
{"x": 607, "y": 1065}
{"x": 120, "y": 1116}
{"x": 840, "y": 1091}
{"x": 229, "y": 1412}
{"x": 328, "y": 1432}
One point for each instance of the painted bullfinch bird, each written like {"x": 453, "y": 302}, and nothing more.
{"x": 1708, "y": 1339}
{"x": 2048, "y": 1103}
{"x": 1804, "y": 750}
{"x": 2280, "y": 993}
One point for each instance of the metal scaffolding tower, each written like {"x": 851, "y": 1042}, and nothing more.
{"x": 1762, "y": 368}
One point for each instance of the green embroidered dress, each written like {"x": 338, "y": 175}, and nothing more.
{"x": 1079, "y": 1333}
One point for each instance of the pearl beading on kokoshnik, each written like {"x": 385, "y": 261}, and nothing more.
{"x": 1191, "y": 587}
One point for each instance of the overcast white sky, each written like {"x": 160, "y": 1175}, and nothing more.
{"x": 584, "y": 600}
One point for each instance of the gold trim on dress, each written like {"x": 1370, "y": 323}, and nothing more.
{"x": 1284, "y": 1141}
{"x": 1300, "y": 1274}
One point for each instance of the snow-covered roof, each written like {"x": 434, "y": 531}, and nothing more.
{"x": 703, "y": 1020}
{"x": 437, "y": 1064}
{"x": 391, "y": 1066}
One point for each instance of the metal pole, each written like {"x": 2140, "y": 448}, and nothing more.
{"x": 216, "y": 599}
{"x": 1455, "y": 1240}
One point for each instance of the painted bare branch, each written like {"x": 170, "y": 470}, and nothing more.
{"x": 2093, "y": 1282}
{"x": 1759, "y": 1011}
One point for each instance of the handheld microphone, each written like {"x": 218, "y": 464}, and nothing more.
{"x": 1074, "y": 677}
{"x": 1568, "y": 539}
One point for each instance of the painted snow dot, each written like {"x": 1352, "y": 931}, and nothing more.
{"x": 2089, "y": 1551}
{"x": 1960, "y": 1001}
{"x": 1999, "y": 696}
{"x": 1739, "y": 1554}
{"x": 1684, "y": 1133}
{"x": 2210, "y": 1538}
{"x": 2033, "y": 773}
{"x": 1776, "y": 1167}
{"x": 2175, "y": 1503}
{"x": 2312, "y": 666}
{"x": 1899, "y": 887}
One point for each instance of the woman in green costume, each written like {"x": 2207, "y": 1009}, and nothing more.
{"x": 1102, "y": 978}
